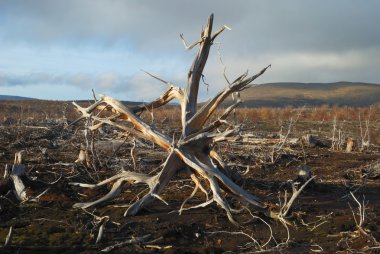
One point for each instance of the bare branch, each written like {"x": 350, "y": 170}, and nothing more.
{"x": 133, "y": 155}
{"x": 165, "y": 98}
{"x": 216, "y": 124}
{"x": 133, "y": 240}
{"x": 198, "y": 120}
{"x": 141, "y": 129}
{"x": 188, "y": 47}
{"x": 220, "y": 31}
{"x": 8, "y": 239}
{"x": 198, "y": 185}
{"x": 286, "y": 207}
{"x": 206, "y": 169}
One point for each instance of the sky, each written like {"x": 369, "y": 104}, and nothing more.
{"x": 60, "y": 50}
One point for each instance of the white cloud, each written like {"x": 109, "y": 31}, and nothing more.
{"x": 104, "y": 44}
{"x": 107, "y": 80}
{"x": 302, "y": 66}
{"x": 135, "y": 87}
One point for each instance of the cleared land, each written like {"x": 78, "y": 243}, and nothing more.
{"x": 321, "y": 216}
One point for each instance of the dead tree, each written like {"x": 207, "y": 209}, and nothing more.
{"x": 193, "y": 150}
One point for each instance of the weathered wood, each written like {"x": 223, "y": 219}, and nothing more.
{"x": 254, "y": 140}
{"x": 158, "y": 183}
{"x": 125, "y": 176}
{"x": 133, "y": 240}
{"x": 13, "y": 178}
{"x": 198, "y": 120}
{"x": 7, "y": 171}
{"x": 194, "y": 150}
{"x": 8, "y": 239}
{"x": 195, "y": 73}
{"x": 20, "y": 190}
{"x": 172, "y": 93}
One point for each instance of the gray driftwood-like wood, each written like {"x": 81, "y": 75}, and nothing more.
{"x": 13, "y": 178}
{"x": 18, "y": 171}
{"x": 194, "y": 149}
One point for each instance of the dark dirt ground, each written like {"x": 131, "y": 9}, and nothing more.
{"x": 322, "y": 218}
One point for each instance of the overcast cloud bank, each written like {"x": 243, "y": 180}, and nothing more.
{"x": 73, "y": 46}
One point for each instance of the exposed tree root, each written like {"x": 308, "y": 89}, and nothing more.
{"x": 193, "y": 150}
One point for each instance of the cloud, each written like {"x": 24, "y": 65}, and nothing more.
{"x": 298, "y": 66}
{"x": 135, "y": 87}
{"x": 81, "y": 80}
{"x": 104, "y": 44}
{"x": 351, "y": 65}
{"x": 107, "y": 80}
{"x": 356, "y": 65}
{"x": 156, "y": 24}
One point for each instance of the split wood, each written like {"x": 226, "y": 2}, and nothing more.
{"x": 193, "y": 150}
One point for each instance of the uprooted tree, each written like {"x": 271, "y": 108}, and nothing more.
{"x": 193, "y": 150}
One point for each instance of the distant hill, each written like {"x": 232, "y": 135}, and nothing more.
{"x": 293, "y": 94}
{"x": 13, "y": 98}
{"x": 310, "y": 94}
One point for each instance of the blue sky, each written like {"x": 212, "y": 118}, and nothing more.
{"x": 62, "y": 49}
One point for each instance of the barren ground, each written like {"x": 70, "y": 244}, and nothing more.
{"x": 322, "y": 217}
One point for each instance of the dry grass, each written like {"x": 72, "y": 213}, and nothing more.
{"x": 35, "y": 111}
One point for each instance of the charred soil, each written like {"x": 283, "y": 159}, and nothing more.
{"x": 321, "y": 217}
